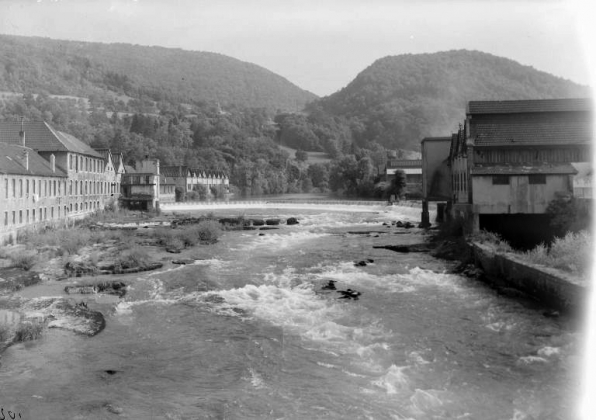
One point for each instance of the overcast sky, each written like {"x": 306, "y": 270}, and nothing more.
{"x": 321, "y": 45}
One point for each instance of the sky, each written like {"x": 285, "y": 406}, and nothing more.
{"x": 321, "y": 45}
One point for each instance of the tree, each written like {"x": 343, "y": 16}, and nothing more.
{"x": 397, "y": 186}
{"x": 319, "y": 174}
{"x": 301, "y": 155}
{"x": 569, "y": 214}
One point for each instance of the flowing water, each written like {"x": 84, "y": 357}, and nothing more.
{"x": 247, "y": 333}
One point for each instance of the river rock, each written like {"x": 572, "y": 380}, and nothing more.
{"x": 148, "y": 267}
{"x": 406, "y": 248}
{"x": 12, "y": 279}
{"x": 117, "y": 288}
{"x": 234, "y": 221}
{"x": 114, "y": 409}
{"x": 258, "y": 222}
{"x": 272, "y": 222}
{"x": 292, "y": 221}
{"x": 65, "y": 314}
{"x": 183, "y": 261}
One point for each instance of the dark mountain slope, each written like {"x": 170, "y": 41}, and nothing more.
{"x": 32, "y": 64}
{"x": 398, "y": 100}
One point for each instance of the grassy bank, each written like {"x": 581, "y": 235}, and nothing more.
{"x": 119, "y": 242}
{"x": 88, "y": 248}
{"x": 571, "y": 253}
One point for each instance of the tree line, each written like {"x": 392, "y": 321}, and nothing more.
{"x": 243, "y": 142}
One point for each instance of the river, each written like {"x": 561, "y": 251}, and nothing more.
{"x": 248, "y": 333}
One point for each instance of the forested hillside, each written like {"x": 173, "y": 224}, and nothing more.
{"x": 42, "y": 65}
{"x": 399, "y": 100}
{"x": 212, "y": 112}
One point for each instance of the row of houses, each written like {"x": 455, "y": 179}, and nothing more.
{"x": 508, "y": 161}
{"x": 144, "y": 188}
{"x": 49, "y": 177}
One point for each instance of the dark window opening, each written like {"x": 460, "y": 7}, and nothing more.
{"x": 537, "y": 179}
{"x": 500, "y": 180}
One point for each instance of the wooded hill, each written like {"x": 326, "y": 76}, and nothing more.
{"x": 164, "y": 103}
{"x": 399, "y": 100}
{"x": 85, "y": 69}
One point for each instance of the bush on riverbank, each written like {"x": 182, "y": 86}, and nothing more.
{"x": 27, "y": 331}
{"x": 498, "y": 243}
{"x": 135, "y": 257}
{"x": 572, "y": 253}
{"x": 25, "y": 260}
{"x": 4, "y": 334}
{"x": 206, "y": 231}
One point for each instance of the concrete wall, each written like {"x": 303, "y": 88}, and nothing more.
{"x": 550, "y": 286}
{"x": 519, "y": 196}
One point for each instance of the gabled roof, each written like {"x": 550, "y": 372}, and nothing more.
{"x": 105, "y": 153}
{"x": 41, "y": 137}
{"x": 529, "y": 106}
{"x": 177, "y": 171}
{"x": 533, "y": 133}
{"x": 117, "y": 159}
{"x": 12, "y": 162}
{"x": 507, "y": 169}
{"x": 201, "y": 173}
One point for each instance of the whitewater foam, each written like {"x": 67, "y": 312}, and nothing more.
{"x": 275, "y": 241}
{"x": 394, "y": 381}
{"x": 415, "y": 279}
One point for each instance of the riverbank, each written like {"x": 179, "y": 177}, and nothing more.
{"x": 82, "y": 273}
{"x": 496, "y": 264}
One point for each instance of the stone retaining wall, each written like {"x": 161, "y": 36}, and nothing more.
{"x": 551, "y": 286}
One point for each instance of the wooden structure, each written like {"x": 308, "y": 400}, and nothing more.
{"x": 515, "y": 157}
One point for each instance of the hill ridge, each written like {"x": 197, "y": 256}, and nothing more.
{"x": 72, "y": 67}
{"x": 399, "y": 99}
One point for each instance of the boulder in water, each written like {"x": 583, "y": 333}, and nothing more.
{"x": 292, "y": 221}
{"x": 68, "y": 315}
{"x": 349, "y": 294}
{"x": 183, "y": 261}
{"x": 117, "y": 288}
{"x": 329, "y": 286}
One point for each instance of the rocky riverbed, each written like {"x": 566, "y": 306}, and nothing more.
{"x": 72, "y": 292}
